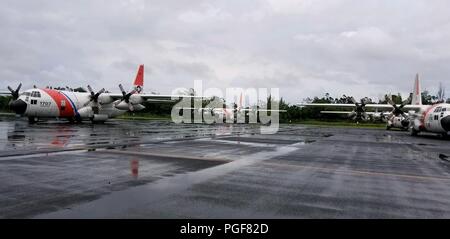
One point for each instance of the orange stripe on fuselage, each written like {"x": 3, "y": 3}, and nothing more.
{"x": 58, "y": 97}
{"x": 425, "y": 115}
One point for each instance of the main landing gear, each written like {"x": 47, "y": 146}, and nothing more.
{"x": 414, "y": 132}
{"x": 32, "y": 119}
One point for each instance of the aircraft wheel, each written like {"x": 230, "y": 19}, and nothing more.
{"x": 97, "y": 121}
{"x": 78, "y": 120}
{"x": 445, "y": 136}
{"x": 32, "y": 120}
{"x": 388, "y": 127}
{"x": 414, "y": 132}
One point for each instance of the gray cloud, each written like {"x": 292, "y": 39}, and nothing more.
{"x": 305, "y": 48}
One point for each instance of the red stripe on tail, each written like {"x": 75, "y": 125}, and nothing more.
{"x": 139, "y": 81}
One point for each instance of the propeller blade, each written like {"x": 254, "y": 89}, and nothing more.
{"x": 15, "y": 93}
{"x": 363, "y": 102}
{"x": 98, "y": 94}
{"x": 90, "y": 90}
{"x": 18, "y": 87}
{"x": 405, "y": 102}
{"x": 93, "y": 98}
{"x": 121, "y": 89}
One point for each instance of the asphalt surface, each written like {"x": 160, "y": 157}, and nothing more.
{"x": 150, "y": 169}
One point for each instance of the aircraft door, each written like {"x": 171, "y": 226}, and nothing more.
{"x": 436, "y": 119}
{"x": 63, "y": 105}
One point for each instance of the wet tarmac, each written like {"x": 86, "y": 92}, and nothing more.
{"x": 151, "y": 169}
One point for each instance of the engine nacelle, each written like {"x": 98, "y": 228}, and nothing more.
{"x": 138, "y": 107}
{"x": 86, "y": 112}
{"x": 124, "y": 106}
{"x": 136, "y": 99}
{"x": 105, "y": 99}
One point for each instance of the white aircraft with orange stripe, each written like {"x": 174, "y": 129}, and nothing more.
{"x": 230, "y": 112}
{"x": 414, "y": 116}
{"x": 77, "y": 106}
{"x": 424, "y": 118}
{"x": 431, "y": 118}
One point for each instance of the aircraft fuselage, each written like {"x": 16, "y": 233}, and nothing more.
{"x": 435, "y": 119}
{"x": 50, "y": 103}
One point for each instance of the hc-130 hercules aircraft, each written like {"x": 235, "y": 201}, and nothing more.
{"x": 419, "y": 118}
{"x": 77, "y": 106}
{"x": 230, "y": 112}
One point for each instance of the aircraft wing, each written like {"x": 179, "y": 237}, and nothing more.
{"x": 264, "y": 110}
{"x": 413, "y": 107}
{"x": 335, "y": 112}
{"x": 5, "y": 93}
{"x": 348, "y": 112}
{"x": 154, "y": 97}
{"x": 371, "y": 106}
{"x": 327, "y": 104}
{"x": 379, "y": 106}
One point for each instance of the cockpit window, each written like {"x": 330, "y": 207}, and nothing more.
{"x": 36, "y": 94}
{"x": 444, "y": 109}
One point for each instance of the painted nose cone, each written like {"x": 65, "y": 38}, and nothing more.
{"x": 445, "y": 122}
{"x": 18, "y": 106}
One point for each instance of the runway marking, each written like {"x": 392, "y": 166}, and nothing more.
{"x": 369, "y": 173}
{"x": 166, "y": 155}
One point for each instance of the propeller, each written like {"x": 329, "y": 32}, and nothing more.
{"x": 126, "y": 97}
{"x": 360, "y": 111}
{"x": 15, "y": 93}
{"x": 93, "y": 97}
{"x": 398, "y": 110}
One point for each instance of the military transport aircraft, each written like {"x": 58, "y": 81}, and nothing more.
{"x": 77, "y": 106}
{"x": 396, "y": 116}
{"x": 415, "y": 116}
{"x": 230, "y": 112}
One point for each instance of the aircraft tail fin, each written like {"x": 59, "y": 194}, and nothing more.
{"x": 139, "y": 81}
{"x": 416, "y": 94}
{"x": 240, "y": 102}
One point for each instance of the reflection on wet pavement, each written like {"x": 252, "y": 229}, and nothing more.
{"x": 151, "y": 169}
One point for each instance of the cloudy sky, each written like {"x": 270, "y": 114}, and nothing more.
{"x": 303, "y": 47}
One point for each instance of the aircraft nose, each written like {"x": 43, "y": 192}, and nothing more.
{"x": 445, "y": 122}
{"x": 18, "y": 106}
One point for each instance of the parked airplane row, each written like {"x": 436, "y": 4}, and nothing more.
{"x": 231, "y": 112}
{"x": 99, "y": 106}
{"x": 77, "y": 106}
{"x": 413, "y": 116}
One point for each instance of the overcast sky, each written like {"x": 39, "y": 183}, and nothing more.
{"x": 305, "y": 47}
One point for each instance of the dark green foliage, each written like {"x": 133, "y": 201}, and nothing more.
{"x": 79, "y": 89}
{"x": 4, "y": 100}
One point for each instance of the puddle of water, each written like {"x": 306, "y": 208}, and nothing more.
{"x": 118, "y": 204}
